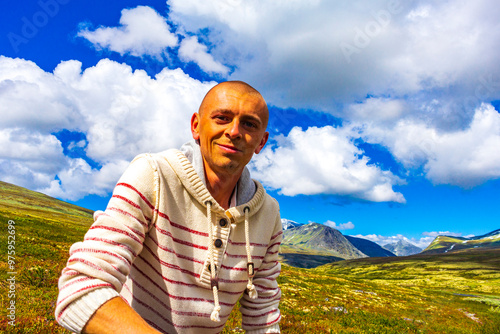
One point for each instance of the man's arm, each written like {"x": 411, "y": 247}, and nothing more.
{"x": 98, "y": 267}
{"x": 116, "y": 316}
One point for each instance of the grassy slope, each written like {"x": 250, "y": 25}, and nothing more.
{"x": 45, "y": 229}
{"x": 416, "y": 294}
{"x": 444, "y": 244}
{"x": 453, "y": 293}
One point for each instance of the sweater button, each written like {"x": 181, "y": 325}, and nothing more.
{"x": 209, "y": 267}
{"x": 223, "y": 222}
{"x": 218, "y": 243}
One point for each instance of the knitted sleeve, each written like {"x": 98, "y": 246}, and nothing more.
{"x": 97, "y": 267}
{"x": 262, "y": 315}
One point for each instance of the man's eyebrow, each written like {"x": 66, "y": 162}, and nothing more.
{"x": 229, "y": 112}
{"x": 221, "y": 111}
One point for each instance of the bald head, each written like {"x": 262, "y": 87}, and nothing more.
{"x": 243, "y": 91}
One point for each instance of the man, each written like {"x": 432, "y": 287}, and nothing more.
{"x": 184, "y": 236}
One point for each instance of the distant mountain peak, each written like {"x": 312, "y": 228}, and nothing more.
{"x": 321, "y": 239}
{"x": 289, "y": 224}
{"x": 402, "y": 248}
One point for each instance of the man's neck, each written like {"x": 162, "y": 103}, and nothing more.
{"x": 221, "y": 186}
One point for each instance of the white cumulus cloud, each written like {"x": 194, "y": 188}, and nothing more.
{"x": 142, "y": 31}
{"x": 296, "y": 50}
{"x": 341, "y": 227}
{"x": 323, "y": 161}
{"x": 121, "y": 112}
{"x": 465, "y": 157}
{"x": 192, "y": 50}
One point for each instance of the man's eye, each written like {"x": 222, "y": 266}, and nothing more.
{"x": 250, "y": 124}
{"x": 222, "y": 118}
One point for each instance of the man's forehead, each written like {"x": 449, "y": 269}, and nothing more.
{"x": 225, "y": 94}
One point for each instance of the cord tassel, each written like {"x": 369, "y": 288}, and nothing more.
{"x": 215, "y": 316}
{"x": 214, "y": 282}
{"x": 252, "y": 291}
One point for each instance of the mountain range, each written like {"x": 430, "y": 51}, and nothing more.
{"x": 315, "y": 244}
{"x": 311, "y": 245}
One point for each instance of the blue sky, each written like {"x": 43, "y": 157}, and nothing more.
{"x": 384, "y": 114}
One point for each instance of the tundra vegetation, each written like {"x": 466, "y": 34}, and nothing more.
{"x": 456, "y": 292}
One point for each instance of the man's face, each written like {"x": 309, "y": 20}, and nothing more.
{"x": 231, "y": 127}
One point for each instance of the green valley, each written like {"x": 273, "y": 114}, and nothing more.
{"x": 454, "y": 292}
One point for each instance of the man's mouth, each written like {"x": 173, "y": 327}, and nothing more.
{"x": 229, "y": 148}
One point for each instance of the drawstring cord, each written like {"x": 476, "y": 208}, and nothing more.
{"x": 214, "y": 282}
{"x": 252, "y": 292}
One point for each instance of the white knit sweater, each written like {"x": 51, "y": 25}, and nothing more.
{"x": 152, "y": 247}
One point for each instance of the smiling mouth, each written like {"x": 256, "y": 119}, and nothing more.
{"x": 229, "y": 148}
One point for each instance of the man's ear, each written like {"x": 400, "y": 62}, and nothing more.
{"x": 262, "y": 142}
{"x": 195, "y": 122}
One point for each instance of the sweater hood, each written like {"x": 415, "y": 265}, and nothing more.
{"x": 191, "y": 176}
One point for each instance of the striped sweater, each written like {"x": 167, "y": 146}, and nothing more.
{"x": 151, "y": 246}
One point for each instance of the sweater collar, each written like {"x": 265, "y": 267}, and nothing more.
{"x": 245, "y": 188}
{"x": 194, "y": 184}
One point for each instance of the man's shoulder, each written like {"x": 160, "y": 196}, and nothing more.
{"x": 269, "y": 202}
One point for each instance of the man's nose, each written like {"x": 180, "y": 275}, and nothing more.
{"x": 234, "y": 130}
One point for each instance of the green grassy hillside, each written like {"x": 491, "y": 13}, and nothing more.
{"x": 449, "y": 293}
{"x": 44, "y": 229}
{"x": 444, "y": 244}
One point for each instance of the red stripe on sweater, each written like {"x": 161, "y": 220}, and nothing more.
{"x": 184, "y": 257}
{"x": 258, "y": 315}
{"x": 138, "y": 193}
{"x": 137, "y": 206}
{"x": 179, "y": 226}
{"x": 276, "y": 235}
{"x": 178, "y": 282}
{"x": 125, "y": 213}
{"x": 265, "y": 287}
{"x": 244, "y": 244}
{"x": 170, "y": 265}
{"x": 70, "y": 272}
{"x": 83, "y": 279}
{"x": 275, "y": 244}
{"x": 270, "y": 297}
{"x": 180, "y": 241}
{"x": 233, "y": 268}
{"x": 91, "y": 250}
{"x": 162, "y": 214}
{"x": 117, "y": 230}
{"x": 92, "y": 265}
{"x": 174, "y": 296}
{"x": 170, "y": 321}
{"x": 88, "y": 263}
{"x": 101, "y": 285}
{"x": 189, "y": 314}
{"x": 223, "y": 280}
{"x": 139, "y": 233}
{"x": 159, "y": 274}
{"x": 114, "y": 243}
{"x": 264, "y": 324}
{"x": 241, "y": 256}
